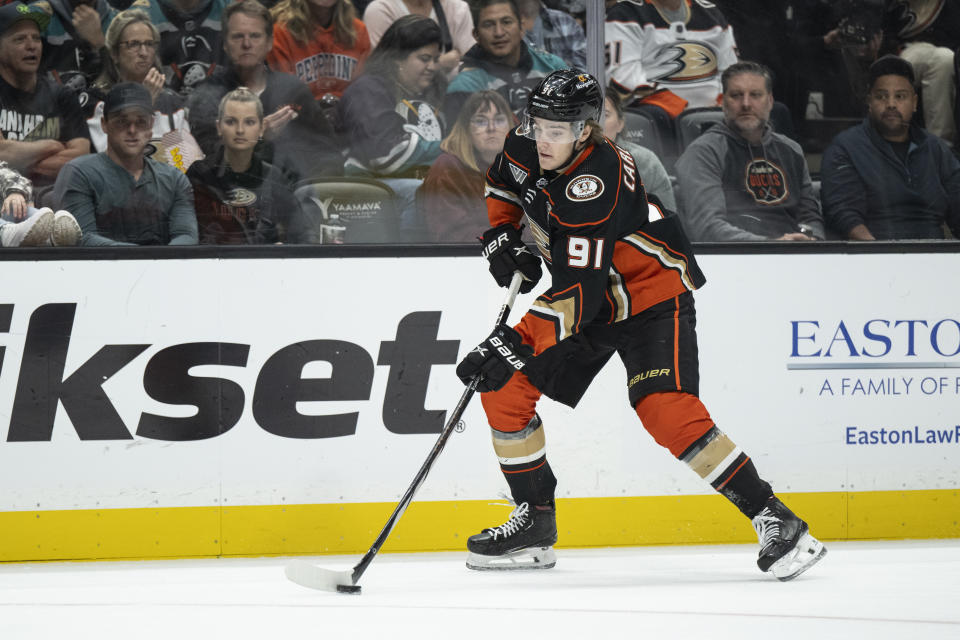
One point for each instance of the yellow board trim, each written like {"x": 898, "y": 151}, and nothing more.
{"x": 177, "y": 532}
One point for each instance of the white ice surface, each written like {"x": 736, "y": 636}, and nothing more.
{"x": 870, "y": 590}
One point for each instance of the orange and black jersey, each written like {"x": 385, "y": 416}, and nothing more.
{"x": 610, "y": 253}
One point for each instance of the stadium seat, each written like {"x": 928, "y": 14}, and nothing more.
{"x": 693, "y": 122}
{"x": 639, "y": 128}
{"x": 349, "y": 210}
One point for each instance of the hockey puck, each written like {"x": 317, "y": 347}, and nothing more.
{"x": 348, "y": 588}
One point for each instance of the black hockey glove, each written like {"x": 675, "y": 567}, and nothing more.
{"x": 506, "y": 253}
{"x": 495, "y": 360}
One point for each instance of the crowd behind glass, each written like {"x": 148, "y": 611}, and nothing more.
{"x": 374, "y": 121}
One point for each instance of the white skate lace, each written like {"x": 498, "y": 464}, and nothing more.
{"x": 518, "y": 519}
{"x": 768, "y": 528}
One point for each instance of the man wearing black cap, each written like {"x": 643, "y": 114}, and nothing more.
{"x": 40, "y": 121}
{"x": 887, "y": 178}
{"x": 121, "y": 197}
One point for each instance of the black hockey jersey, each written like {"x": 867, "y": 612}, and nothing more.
{"x": 610, "y": 253}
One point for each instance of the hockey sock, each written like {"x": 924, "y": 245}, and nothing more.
{"x": 716, "y": 459}
{"x": 523, "y": 461}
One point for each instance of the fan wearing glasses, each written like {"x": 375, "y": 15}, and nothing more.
{"x": 131, "y": 41}
{"x": 452, "y": 193}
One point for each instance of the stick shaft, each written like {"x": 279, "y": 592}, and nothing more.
{"x": 437, "y": 447}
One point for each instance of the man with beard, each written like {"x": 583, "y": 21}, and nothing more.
{"x": 740, "y": 181}
{"x": 887, "y": 178}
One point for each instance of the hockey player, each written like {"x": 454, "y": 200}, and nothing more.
{"x": 622, "y": 276}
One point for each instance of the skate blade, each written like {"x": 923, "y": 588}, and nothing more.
{"x": 808, "y": 552}
{"x": 522, "y": 560}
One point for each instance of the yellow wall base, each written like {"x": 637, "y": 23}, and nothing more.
{"x": 440, "y": 526}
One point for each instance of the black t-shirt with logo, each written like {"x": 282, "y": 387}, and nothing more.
{"x": 50, "y": 112}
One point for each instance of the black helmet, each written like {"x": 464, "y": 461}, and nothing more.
{"x": 567, "y": 95}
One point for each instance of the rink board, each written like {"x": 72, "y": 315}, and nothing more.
{"x": 252, "y": 406}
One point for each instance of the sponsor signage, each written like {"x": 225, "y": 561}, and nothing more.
{"x": 208, "y": 382}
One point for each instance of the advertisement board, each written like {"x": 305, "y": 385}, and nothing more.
{"x": 230, "y": 388}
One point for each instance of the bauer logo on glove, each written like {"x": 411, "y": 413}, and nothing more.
{"x": 495, "y": 360}
{"x": 506, "y": 253}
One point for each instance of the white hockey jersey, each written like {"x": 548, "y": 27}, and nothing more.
{"x": 646, "y": 51}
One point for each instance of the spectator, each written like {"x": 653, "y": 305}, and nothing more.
{"x": 73, "y": 52}
{"x": 887, "y": 178}
{"x": 500, "y": 60}
{"x": 121, "y": 197}
{"x": 321, "y": 42}
{"x": 22, "y": 225}
{"x": 668, "y": 54}
{"x": 132, "y": 42}
{"x": 655, "y": 178}
{"x": 41, "y": 125}
{"x": 740, "y": 181}
{"x": 239, "y": 198}
{"x": 453, "y": 17}
{"x": 452, "y": 195}
{"x": 390, "y": 114}
{"x": 553, "y": 31}
{"x": 298, "y": 139}
{"x": 190, "y": 42}
{"x": 926, "y": 34}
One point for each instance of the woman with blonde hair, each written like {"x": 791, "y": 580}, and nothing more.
{"x": 239, "y": 197}
{"x": 452, "y": 196}
{"x": 132, "y": 41}
{"x": 321, "y": 42}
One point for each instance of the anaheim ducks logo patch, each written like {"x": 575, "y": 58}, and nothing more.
{"x": 240, "y": 197}
{"x": 584, "y": 188}
{"x": 685, "y": 61}
{"x": 766, "y": 181}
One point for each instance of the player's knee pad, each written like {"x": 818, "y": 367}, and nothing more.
{"x": 674, "y": 419}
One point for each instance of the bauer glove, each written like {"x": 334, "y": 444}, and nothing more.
{"x": 506, "y": 253}
{"x": 495, "y": 360}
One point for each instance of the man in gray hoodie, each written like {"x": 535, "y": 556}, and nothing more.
{"x": 740, "y": 181}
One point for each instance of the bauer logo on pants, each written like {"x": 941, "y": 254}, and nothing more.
{"x": 584, "y": 188}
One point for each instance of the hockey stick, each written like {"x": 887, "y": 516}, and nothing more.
{"x": 314, "y": 577}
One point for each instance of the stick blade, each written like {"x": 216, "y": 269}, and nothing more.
{"x": 314, "y": 577}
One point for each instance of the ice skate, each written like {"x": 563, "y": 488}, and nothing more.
{"x": 525, "y": 541}
{"x": 786, "y": 547}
